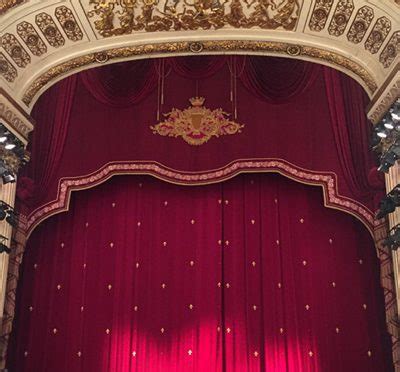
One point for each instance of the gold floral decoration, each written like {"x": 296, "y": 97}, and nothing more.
{"x": 378, "y": 35}
{"x": 50, "y": 30}
{"x": 14, "y": 49}
{"x": 67, "y": 20}
{"x": 392, "y": 49}
{"x": 7, "y": 70}
{"x": 360, "y": 25}
{"x": 320, "y": 14}
{"x": 31, "y": 38}
{"x": 341, "y": 17}
{"x": 196, "y": 124}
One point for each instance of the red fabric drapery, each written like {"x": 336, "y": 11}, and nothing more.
{"x": 319, "y": 126}
{"x": 253, "y": 274}
{"x": 123, "y": 84}
{"x": 277, "y": 80}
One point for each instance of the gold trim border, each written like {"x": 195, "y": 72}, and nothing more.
{"x": 327, "y": 180}
{"x": 186, "y": 47}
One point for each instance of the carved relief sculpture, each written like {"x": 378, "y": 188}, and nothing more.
{"x": 50, "y": 30}
{"x": 31, "y": 38}
{"x": 120, "y": 17}
{"x": 68, "y": 23}
{"x": 8, "y": 4}
{"x": 341, "y": 17}
{"x": 378, "y": 35}
{"x": 360, "y": 25}
{"x": 391, "y": 50}
{"x": 14, "y": 49}
{"x": 320, "y": 14}
{"x": 196, "y": 124}
{"x": 7, "y": 70}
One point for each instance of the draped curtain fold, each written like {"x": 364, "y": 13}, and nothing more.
{"x": 123, "y": 84}
{"x": 197, "y": 67}
{"x": 351, "y": 130}
{"x": 47, "y": 145}
{"x": 277, "y": 80}
{"x": 253, "y": 274}
{"x": 308, "y": 115}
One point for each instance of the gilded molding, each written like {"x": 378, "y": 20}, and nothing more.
{"x": 217, "y": 46}
{"x": 14, "y": 118}
{"x": 385, "y": 101}
{"x": 6, "y": 5}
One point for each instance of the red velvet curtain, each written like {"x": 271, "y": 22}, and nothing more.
{"x": 277, "y": 80}
{"x": 48, "y": 142}
{"x": 308, "y": 115}
{"x": 123, "y": 84}
{"x": 347, "y": 107}
{"x": 253, "y": 274}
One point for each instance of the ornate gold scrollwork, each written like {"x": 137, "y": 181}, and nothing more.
{"x": 183, "y": 47}
{"x": 120, "y": 17}
{"x": 196, "y": 124}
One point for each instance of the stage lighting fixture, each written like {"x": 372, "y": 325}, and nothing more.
{"x": 3, "y": 246}
{"x": 8, "y": 177}
{"x": 389, "y": 203}
{"x": 395, "y": 111}
{"x": 11, "y": 217}
{"x": 387, "y": 160}
{"x": 393, "y": 240}
{"x": 9, "y": 146}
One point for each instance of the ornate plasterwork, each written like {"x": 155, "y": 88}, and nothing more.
{"x": 14, "y": 118}
{"x": 391, "y": 51}
{"x": 50, "y": 30}
{"x": 52, "y": 33}
{"x": 319, "y": 55}
{"x": 8, "y": 4}
{"x": 378, "y": 35}
{"x": 31, "y": 38}
{"x": 341, "y": 16}
{"x": 113, "y": 18}
{"x": 15, "y": 50}
{"x": 360, "y": 24}
{"x": 385, "y": 98}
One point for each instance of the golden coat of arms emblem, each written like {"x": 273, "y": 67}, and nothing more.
{"x": 196, "y": 124}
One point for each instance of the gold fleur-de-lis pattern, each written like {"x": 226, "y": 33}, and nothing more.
{"x": 252, "y": 274}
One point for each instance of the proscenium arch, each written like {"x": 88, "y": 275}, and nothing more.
{"x": 38, "y": 83}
